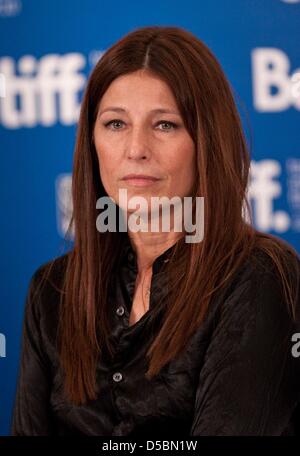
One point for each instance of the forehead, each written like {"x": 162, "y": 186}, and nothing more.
{"x": 139, "y": 90}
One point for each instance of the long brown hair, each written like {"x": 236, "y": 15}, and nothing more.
{"x": 206, "y": 103}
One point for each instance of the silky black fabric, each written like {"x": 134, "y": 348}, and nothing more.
{"x": 237, "y": 375}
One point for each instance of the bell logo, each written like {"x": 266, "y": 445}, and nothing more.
{"x": 271, "y": 70}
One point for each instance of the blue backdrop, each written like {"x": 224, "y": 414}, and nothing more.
{"x": 49, "y": 47}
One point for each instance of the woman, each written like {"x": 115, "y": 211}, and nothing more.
{"x": 140, "y": 332}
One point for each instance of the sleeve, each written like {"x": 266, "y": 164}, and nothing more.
{"x": 31, "y": 414}
{"x": 250, "y": 381}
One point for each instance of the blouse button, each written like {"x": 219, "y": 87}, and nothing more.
{"x": 117, "y": 376}
{"x": 120, "y": 310}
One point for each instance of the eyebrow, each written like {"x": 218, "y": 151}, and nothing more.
{"x": 156, "y": 110}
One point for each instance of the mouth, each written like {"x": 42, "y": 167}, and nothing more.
{"x": 140, "y": 180}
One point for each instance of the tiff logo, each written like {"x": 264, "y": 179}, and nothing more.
{"x": 41, "y": 92}
{"x": 263, "y": 190}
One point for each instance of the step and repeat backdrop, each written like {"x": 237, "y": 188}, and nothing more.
{"x": 48, "y": 48}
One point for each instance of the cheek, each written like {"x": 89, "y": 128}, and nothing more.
{"x": 107, "y": 160}
{"x": 182, "y": 170}
{"x": 107, "y": 168}
{"x": 182, "y": 163}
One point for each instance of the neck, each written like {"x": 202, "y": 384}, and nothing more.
{"x": 148, "y": 246}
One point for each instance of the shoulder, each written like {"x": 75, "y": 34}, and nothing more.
{"x": 41, "y": 310}
{"x": 51, "y": 271}
{"x": 259, "y": 267}
{"x": 258, "y": 288}
{"x": 45, "y": 285}
{"x": 260, "y": 264}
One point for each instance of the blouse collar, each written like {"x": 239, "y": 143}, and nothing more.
{"x": 129, "y": 257}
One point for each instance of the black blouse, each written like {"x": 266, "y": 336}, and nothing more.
{"x": 237, "y": 376}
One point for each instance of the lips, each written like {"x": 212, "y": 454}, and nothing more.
{"x": 140, "y": 176}
{"x": 140, "y": 180}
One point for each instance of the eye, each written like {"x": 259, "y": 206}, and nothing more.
{"x": 112, "y": 122}
{"x": 166, "y": 122}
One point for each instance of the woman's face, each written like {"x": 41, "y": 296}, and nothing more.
{"x": 132, "y": 137}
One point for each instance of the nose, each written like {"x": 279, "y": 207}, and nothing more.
{"x": 137, "y": 146}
